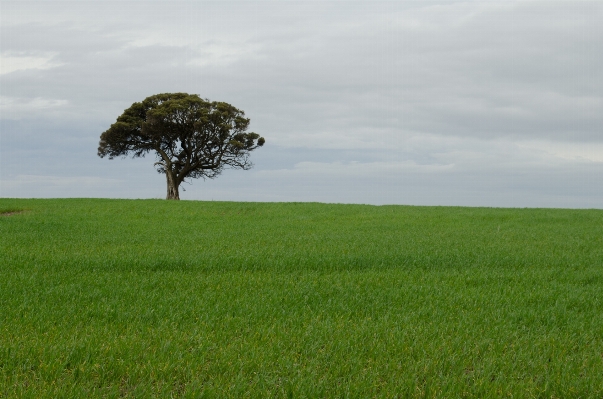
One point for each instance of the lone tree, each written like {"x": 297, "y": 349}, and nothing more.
{"x": 190, "y": 136}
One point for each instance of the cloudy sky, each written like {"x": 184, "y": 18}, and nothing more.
{"x": 477, "y": 103}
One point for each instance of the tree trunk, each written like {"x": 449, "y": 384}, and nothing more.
{"x": 172, "y": 186}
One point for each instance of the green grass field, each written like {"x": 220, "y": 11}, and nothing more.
{"x": 150, "y": 298}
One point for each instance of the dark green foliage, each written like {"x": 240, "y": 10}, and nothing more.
{"x": 191, "y": 137}
{"x": 106, "y": 298}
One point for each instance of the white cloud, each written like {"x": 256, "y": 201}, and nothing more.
{"x": 12, "y": 62}
{"x": 61, "y": 180}
{"x": 579, "y": 152}
{"x": 222, "y": 53}
{"x": 356, "y": 169}
{"x": 52, "y": 186}
{"x": 18, "y": 108}
{"x": 48, "y": 186}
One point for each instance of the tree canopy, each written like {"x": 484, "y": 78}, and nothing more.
{"x": 191, "y": 137}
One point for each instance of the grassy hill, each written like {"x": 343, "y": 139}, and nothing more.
{"x": 139, "y": 298}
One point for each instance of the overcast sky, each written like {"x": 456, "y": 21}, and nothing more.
{"x": 479, "y": 103}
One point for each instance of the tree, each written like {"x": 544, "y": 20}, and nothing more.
{"x": 190, "y": 136}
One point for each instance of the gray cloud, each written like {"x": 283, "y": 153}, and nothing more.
{"x": 507, "y": 92}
